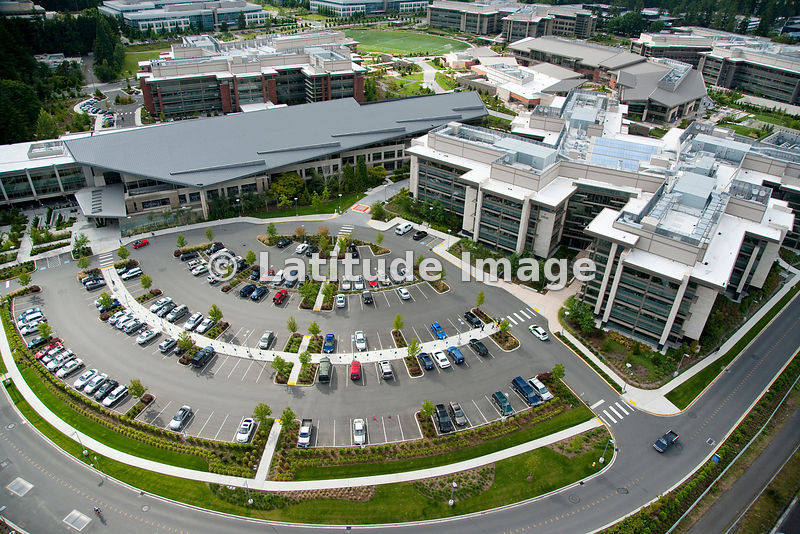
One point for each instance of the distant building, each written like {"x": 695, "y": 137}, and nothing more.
{"x": 203, "y": 75}
{"x": 529, "y": 86}
{"x": 348, "y": 8}
{"x": 54, "y": 60}
{"x": 20, "y": 9}
{"x": 180, "y": 15}
{"x": 680, "y": 47}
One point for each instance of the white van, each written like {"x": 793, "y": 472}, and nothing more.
{"x": 277, "y": 279}
{"x": 403, "y": 228}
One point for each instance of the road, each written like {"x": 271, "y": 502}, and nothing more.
{"x": 637, "y": 476}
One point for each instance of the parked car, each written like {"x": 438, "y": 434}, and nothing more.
{"x": 426, "y": 361}
{"x": 478, "y": 346}
{"x": 353, "y": 250}
{"x": 44, "y": 350}
{"x": 443, "y": 420}
{"x": 70, "y": 367}
{"x": 341, "y": 301}
{"x": 30, "y": 328}
{"x": 473, "y": 319}
{"x": 104, "y": 389}
{"x": 419, "y": 234}
{"x": 438, "y": 331}
{"x": 403, "y": 292}
{"x": 194, "y": 263}
{"x": 525, "y": 391}
{"x": 403, "y": 228}
{"x": 285, "y": 242}
{"x": 457, "y": 414}
{"x": 205, "y": 326}
{"x": 358, "y": 285}
{"x": 540, "y": 389}
{"x": 139, "y": 243}
{"x": 91, "y": 278}
{"x": 186, "y": 256}
{"x": 255, "y": 273}
{"x": 132, "y": 273}
{"x": 160, "y": 303}
{"x": 266, "y": 340}
{"x": 372, "y": 282}
{"x": 301, "y": 248}
{"x": 329, "y": 345}
{"x": 359, "y": 432}
{"x": 116, "y": 395}
{"x": 124, "y": 321}
{"x": 456, "y": 355}
{"x": 259, "y": 293}
{"x": 291, "y": 282}
{"x": 167, "y": 345}
{"x": 324, "y": 370}
{"x": 215, "y": 247}
{"x": 147, "y": 336}
{"x": 538, "y": 331}
{"x": 133, "y": 327}
{"x": 180, "y": 419}
{"x": 96, "y": 284}
{"x": 37, "y": 341}
{"x": 441, "y": 360}
{"x": 200, "y": 269}
{"x": 84, "y": 379}
{"x": 59, "y": 361}
{"x": 313, "y": 249}
{"x": 177, "y": 313}
{"x": 245, "y": 430}
{"x": 345, "y": 285}
{"x": 29, "y": 311}
{"x": 280, "y": 296}
{"x": 193, "y": 321}
{"x": 91, "y": 386}
{"x": 501, "y": 402}
{"x": 247, "y": 290}
{"x": 386, "y": 369}
{"x": 361, "y": 340}
{"x": 367, "y": 297}
{"x": 355, "y": 370}
{"x": 166, "y": 308}
{"x": 202, "y": 357}
{"x": 116, "y": 317}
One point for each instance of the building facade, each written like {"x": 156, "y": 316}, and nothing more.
{"x": 680, "y": 47}
{"x": 181, "y": 15}
{"x": 348, "y": 8}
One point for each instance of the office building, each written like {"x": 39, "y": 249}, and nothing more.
{"x": 181, "y": 15}
{"x": 348, "y": 8}
{"x": 189, "y": 164}
{"x": 529, "y": 86}
{"x": 203, "y": 75}
{"x": 680, "y": 47}
{"x": 23, "y": 9}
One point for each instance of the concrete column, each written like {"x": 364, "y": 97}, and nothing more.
{"x": 615, "y": 285}
{"x": 30, "y": 182}
{"x": 676, "y": 304}
{"x": 58, "y": 178}
{"x": 3, "y": 190}
{"x": 765, "y": 264}
{"x": 606, "y": 277}
{"x": 477, "y": 215}
{"x": 523, "y": 225}
{"x": 204, "y": 202}
{"x": 747, "y": 269}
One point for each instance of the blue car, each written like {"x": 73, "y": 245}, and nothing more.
{"x": 456, "y": 355}
{"x": 438, "y": 331}
{"x": 330, "y": 344}
{"x": 426, "y": 361}
{"x": 259, "y": 293}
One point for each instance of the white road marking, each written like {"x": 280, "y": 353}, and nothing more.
{"x": 162, "y": 411}
{"x": 402, "y": 436}
{"x": 204, "y": 424}
{"x": 222, "y": 425}
{"x": 518, "y": 317}
{"x": 248, "y": 369}
{"x": 596, "y": 404}
{"x": 235, "y": 365}
{"x": 480, "y": 412}
{"x": 618, "y": 405}
{"x": 609, "y": 416}
{"x": 385, "y": 437}
{"x": 511, "y": 319}
{"x": 263, "y": 366}
{"x": 525, "y": 314}
{"x": 611, "y": 407}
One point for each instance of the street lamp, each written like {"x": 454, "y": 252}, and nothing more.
{"x": 84, "y": 451}
{"x": 241, "y": 206}
{"x": 451, "y": 502}
{"x": 295, "y": 206}
{"x": 430, "y": 215}
{"x": 340, "y": 203}
{"x": 679, "y": 365}
{"x": 630, "y": 372}
{"x": 603, "y": 458}
{"x": 249, "y": 498}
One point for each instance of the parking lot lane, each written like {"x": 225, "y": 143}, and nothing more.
{"x": 386, "y": 297}
{"x": 480, "y": 411}
{"x": 219, "y": 368}
{"x": 419, "y": 288}
{"x": 378, "y": 334}
{"x": 263, "y": 367}
{"x": 383, "y": 423}
{"x": 221, "y": 426}
{"x": 156, "y": 419}
{"x": 235, "y": 365}
{"x": 247, "y": 370}
{"x": 200, "y": 433}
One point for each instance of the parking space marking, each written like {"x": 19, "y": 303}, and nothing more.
{"x": 204, "y": 424}
{"x": 383, "y": 422}
{"x": 420, "y": 290}
{"x": 378, "y": 333}
{"x": 220, "y": 366}
{"x": 222, "y": 425}
{"x": 419, "y": 337}
{"x": 387, "y": 298}
{"x": 479, "y": 411}
{"x": 263, "y": 366}
{"x": 402, "y": 436}
{"x": 247, "y": 370}
{"x": 334, "y": 432}
{"x": 525, "y": 314}
{"x": 162, "y": 411}
{"x": 454, "y": 325}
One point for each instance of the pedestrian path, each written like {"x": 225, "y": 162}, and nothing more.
{"x": 320, "y": 297}
{"x": 295, "y": 374}
{"x": 269, "y": 451}
{"x": 106, "y": 259}
{"x": 345, "y": 231}
{"x": 613, "y": 413}
{"x": 520, "y": 317}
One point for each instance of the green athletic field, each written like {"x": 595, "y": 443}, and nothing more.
{"x": 394, "y": 42}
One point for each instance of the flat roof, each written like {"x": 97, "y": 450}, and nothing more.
{"x": 654, "y": 263}
{"x": 603, "y": 226}
{"x": 211, "y": 151}
{"x": 555, "y": 192}
{"x": 589, "y": 54}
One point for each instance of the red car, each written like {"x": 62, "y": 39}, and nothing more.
{"x": 44, "y": 350}
{"x": 280, "y": 296}
{"x": 373, "y": 282}
{"x": 139, "y": 243}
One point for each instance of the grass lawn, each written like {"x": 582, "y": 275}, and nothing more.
{"x": 560, "y": 422}
{"x": 132, "y": 58}
{"x": 327, "y": 207}
{"x": 684, "y": 394}
{"x": 396, "y": 42}
{"x": 446, "y": 82}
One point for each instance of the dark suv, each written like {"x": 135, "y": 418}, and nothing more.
{"x": 478, "y": 346}
{"x": 443, "y": 419}
{"x": 215, "y": 247}
{"x": 367, "y": 296}
{"x": 525, "y": 391}
{"x": 186, "y": 256}
{"x": 473, "y": 320}
{"x": 285, "y": 242}
{"x": 247, "y": 290}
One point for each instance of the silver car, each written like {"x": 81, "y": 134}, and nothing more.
{"x": 94, "y": 384}
{"x": 193, "y": 321}
{"x": 84, "y": 379}
{"x": 181, "y": 418}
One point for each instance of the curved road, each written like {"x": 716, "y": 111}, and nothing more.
{"x": 637, "y": 476}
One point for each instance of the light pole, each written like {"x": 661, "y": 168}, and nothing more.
{"x": 241, "y": 207}
{"x": 679, "y": 365}
{"x": 630, "y": 373}
{"x": 603, "y": 458}
{"x": 249, "y": 498}
{"x": 84, "y": 452}
{"x": 340, "y": 203}
{"x": 430, "y": 215}
{"x": 295, "y": 206}
{"x": 451, "y": 502}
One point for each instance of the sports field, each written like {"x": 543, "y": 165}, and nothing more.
{"x": 394, "y": 42}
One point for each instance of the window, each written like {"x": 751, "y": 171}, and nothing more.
{"x": 233, "y": 191}
{"x": 155, "y": 203}
{"x": 181, "y": 199}
{"x": 194, "y": 197}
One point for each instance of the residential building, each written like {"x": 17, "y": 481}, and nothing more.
{"x": 670, "y": 223}
{"x": 660, "y": 90}
{"x": 181, "y": 15}
{"x": 680, "y": 47}
{"x": 758, "y": 68}
{"x": 189, "y": 164}
{"x": 348, "y": 8}
{"x": 594, "y": 61}
{"x": 203, "y": 75}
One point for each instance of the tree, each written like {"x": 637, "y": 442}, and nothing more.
{"x": 83, "y": 263}
{"x": 181, "y": 241}
{"x": 185, "y": 341}
{"x": 250, "y": 257}
{"x": 105, "y": 300}
{"x": 209, "y": 234}
{"x": 136, "y": 389}
{"x": 146, "y": 281}
{"x": 288, "y": 419}
{"x": 361, "y": 176}
{"x": 314, "y": 329}
{"x": 558, "y": 371}
{"x": 308, "y": 292}
{"x": 240, "y": 21}
{"x": 480, "y": 299}
{"x": 215, "y": 314}
{"x": 504, "y": 324}
{"x": 316, "y": 202}
{"x": 342, "y": 244}
{"x": 288, "y": 184}
{"x": 414, "y": 348}
{"x": 419, "y": 260}
{"x": 305, "y": 358}
{"x": 45, "y": 330}
{"x": 46, "y": 127}
{"x": 300, "y": 232}
{"x": 326, "y": 193}
{"x": 378, "y": 213}
{"x": 379, "y": 238}
{"x": 80, "y": 246}
{"x": 223, "y": 27}
{"x": 398, "y": 322}
{"x": 291, "y": 324}
{"x": 24, "y": 278}
{"x": 123, "y": 253}
{"x": 261, "y": 414}
{"x": 427, "y": 409}
{"x": 280, "y": 365}
{"x": 271, "y": 231}
{"x": 328, "y": 290}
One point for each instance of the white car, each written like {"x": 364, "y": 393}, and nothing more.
{"x": 124, "y": 321}
{"x": 301, "y": 248}
{"x": 30, "y": 328}
{"x": 133, "y": 273}
{"x": 147, "y": 336}
{"x": 70, "y": 367}
{"x": 84, "y": 379}
{"x": 181, "y": 418}
{"x": 205, "y": 326}
{"x": 345, "y": 285}
{"x": 540, "y": 389}
{"x": 266, "y": 340}
{"x": 359, "y": 284}
{"x": 160, "y": 303}
{"x": 403, "y": 292}
{"x": 29, "y": 311}
{"x": 192, "y": 322}
{"x": 116, "y": 317}
{"x": 200, "y": 269}
{"x": 56, "y": 363}
{"x": 359, "y": 432}
{"x": 538, "y": 331}
{"x": 361, "y": 340}
{"x": 194, "y": 263}
{"x": 119, "y": 393}
{"x": 245, "y": 430}
{"x": 441, "y": 360}
{"x": 341, "y": 301}
{"x": 93, "y": 384}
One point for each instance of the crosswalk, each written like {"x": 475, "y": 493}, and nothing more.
{"x": 106, "y": 259}
{"x": 519, "y": 317}
{"x": 618, "y": 410}
{"x": 345, "y": 231}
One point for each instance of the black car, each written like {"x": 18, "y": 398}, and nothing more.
{"x": 215, "y": 247}
{"x": 107, "y": 387}
{"x": 166, "y": 308}
{"x": 259, "y": 293}
{"x": 478, "y": 346}
{"x": 419, "y": 234}
{"x": 426, "y": 361}
{"x": 443, "y": 420}
{"x": 241, "y": 265}
{"x": 254, "y": 275}
{"x": 313, "y": 249}
{"x": 178, "y": 351}
{"x": 38, "y": 341}
{"x": 94, "y": 284}
{"x": 91, "y": 278}
{"x": 285, "y": 242}
{"x": 290, "y": 283}
{"x": 367, "y": 296}
{"x": 247, "y": 290}
{"x": 473, "y": 320}
{"x": 353, "y": 250}
{"x": 186, "y": 256}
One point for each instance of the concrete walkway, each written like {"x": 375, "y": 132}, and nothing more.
{"x": 297, "y": 367}
{"x": 269, "y": 451}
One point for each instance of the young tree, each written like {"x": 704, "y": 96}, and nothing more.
{"x": 305, "y": 358}
{"x": 504, "y": 324}
{"x": 146, "y": 281}
{"x": 271, "y": 231}
{"x": 288, "y": 419}
{"x": 427, "y": 409}
{"x": 414, "y": 348}
{"x": 136, "y": 389}
{"x": 105, "y": 300}
{"x": 83, "y": 263}
{"x": 250, "y": 258}
{"x": 316, "y": 202}
{"x": 379, "y": 238}
{"x": 314, "y": 329}
{"x": 300, "y": 232}
{"x": 480, "y": 299}
{"x": 308, "y": 292}
{"x": 45, "y": 330}
{"x": 185, "y": 341}
{"x": 291, "y": 324}
{"x": 342, "y": 244}
{"x": 419, "y": 260}
{"x": 215, "y": 314}
{"x": 80, "y": 244}
{"x": 398, "y": 322}
{"x": 24, "y": 278}
{"x": 261, "y": 414}
{"x": 280, "y": 365}
{"x": 123, "y": 253}
{"x": 558, "y": 371}
{"x": 209, "y": 234}
{"x": 328, "y": 290}
{"x": 181, "y": 240}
